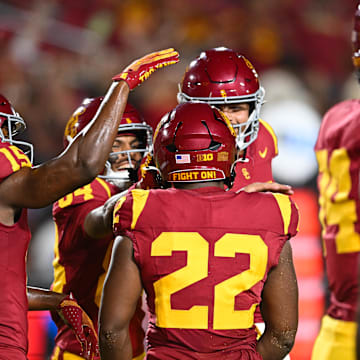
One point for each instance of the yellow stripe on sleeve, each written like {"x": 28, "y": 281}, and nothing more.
{"x": 59, "y": 270}
{"x": 139, "y": 357}
{"x": 118, "y": 205}
{"x": 14, "y": 165}
{"x": 104, "y": 185}
{"x": 272, "y": 133}
{"x": 139, "y": 200}
{"x": 285, "y": 208}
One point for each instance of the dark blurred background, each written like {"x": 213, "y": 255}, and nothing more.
{"x": 56, "y": 52}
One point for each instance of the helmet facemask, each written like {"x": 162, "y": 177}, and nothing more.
{"x": 131, "y": 124}
{"x": 12, "y": 125}
{"x": 125, "y": 177}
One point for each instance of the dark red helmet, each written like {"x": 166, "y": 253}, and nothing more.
{"x": 131, "y": 123}
{"x": 221, "y": 76}
{"x": 14, "y": 124}
{"x": 356, "y": 42}
{"x": 80, "y": 118}
{"x": 195, "y": 142}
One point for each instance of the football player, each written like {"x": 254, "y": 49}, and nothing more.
{"x": 205, "y": 257}
{"x": 82, "y": 259}
{"x": 228, "y": 80}
{"x": 338, "y": 155}
{"x": 23, "y": 186}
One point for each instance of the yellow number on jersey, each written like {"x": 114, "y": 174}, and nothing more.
{"x": 85, "y": 191}
{"x": 197, "y": 248}
{"x": 17, "y": 158}
{"x": 335, "y": 206}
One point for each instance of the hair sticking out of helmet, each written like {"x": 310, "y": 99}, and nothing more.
{"x": 220, "y": 76}
{"x": 195, "y": 142}
{"x": 12, "y": 124}
{"x": 356, "y": 42}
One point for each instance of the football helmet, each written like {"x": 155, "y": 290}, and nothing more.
{"x": 220, "y": 76}
{"x": 195, "y": 142}
{"x": 12, "y": 124}
{"x": 131, "y": 124}
{"x": 356, "y": 43}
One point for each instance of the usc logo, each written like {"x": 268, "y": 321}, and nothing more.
{"x": 72, "y": 125}
{"x": 250, "y": 66}
{"x": 245, "y": 173}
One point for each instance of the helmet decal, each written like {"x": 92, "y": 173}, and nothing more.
{"x": 73, "y": 123}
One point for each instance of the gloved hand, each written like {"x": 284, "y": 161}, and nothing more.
{"x": 139, "y": 70}
{"x": 77, "y": 319}
{"x": 148, "y": 174}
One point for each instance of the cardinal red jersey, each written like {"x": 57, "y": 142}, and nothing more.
{"x": 81, "y": 262}
{"x": 257, "y": 166}
{"x": 204, "y": 256}
{"x": 14, "y": 241}
{"x": 338, "y": 155}
{"x": 259, "y": 154}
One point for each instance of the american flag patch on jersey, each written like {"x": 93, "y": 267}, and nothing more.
{"x": 182, "y": 159}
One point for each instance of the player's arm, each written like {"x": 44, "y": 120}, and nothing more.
{"x": 70, "y": 312}
{"x": 98, "y": 222}
{"x": 78, "y": 165}
{"x": 85, "y": 157}
{"x": 43, "y": 299}
{"x": 121, "y": 293}
{"x": 279, "y": 308}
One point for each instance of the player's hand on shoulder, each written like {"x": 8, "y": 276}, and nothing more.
{"x": 266, "y": 186}
{"x": 139, "y": 70}
{"x": 77, "y": 319}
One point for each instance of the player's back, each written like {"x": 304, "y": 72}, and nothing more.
{"x": 338, "y": 154}
{"x": 204, "y": 256}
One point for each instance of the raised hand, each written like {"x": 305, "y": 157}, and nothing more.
{"x": 139, "y": 70}
{"x": 77, "y": 319}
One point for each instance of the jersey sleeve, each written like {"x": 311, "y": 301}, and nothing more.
{"x": 127, "y": 212}
{"x": 12, "y": 159}
{"x": 289, "y": 214}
